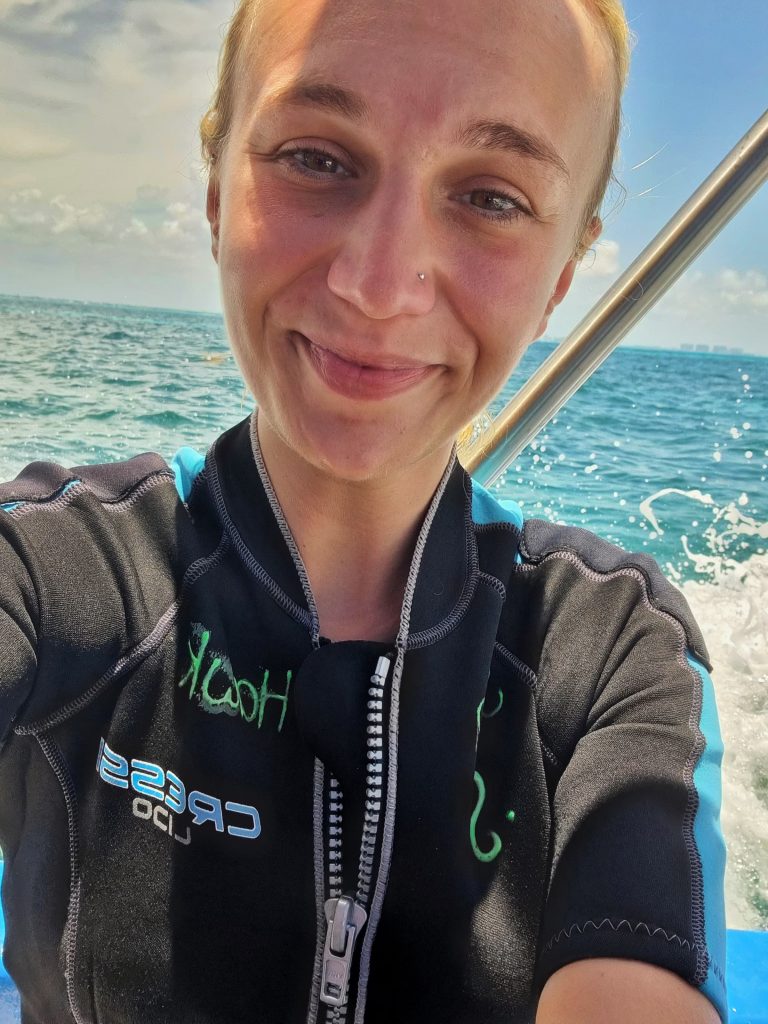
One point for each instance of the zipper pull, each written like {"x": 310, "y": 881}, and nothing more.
{"x": 346, "y": 920}
{"x": 379, "y": 677}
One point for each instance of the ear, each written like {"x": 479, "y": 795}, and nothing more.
{"x": 212, "y": 212}
{"x": 566, "y": 276}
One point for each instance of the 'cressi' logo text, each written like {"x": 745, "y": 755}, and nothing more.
{"x": 162, "y": 794}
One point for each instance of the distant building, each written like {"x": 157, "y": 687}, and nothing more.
{"x": 702, "y": 348}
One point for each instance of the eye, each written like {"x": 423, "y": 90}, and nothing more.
{"x": 313, "y": 162}
{"x": 496, "y": 206}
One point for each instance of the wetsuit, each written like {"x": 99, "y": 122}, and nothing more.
{"x": 527, "y": 776}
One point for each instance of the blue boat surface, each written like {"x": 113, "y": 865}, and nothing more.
{"x": 746, "y": 968}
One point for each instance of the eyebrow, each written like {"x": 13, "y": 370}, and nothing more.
{"x": 326, "y": 96}
{"x": 498, "y": 135}
{"x": 480, "y": 135}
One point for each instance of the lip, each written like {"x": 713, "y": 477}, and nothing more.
{"x": 356, "y": 379}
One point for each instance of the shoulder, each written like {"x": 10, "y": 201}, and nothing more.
{"x": 567, "y": 569}
{"x": 592, "y": 562}
{"x": 98, "y": 554}
{"x": 98, "y": 529}
{"x": 46, "y": 485}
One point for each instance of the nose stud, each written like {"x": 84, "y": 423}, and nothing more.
{"x": 421, "y": 276}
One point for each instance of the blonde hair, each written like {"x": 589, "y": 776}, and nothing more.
{"x": 611, "y": 15}
{"x": 216, "y": 122}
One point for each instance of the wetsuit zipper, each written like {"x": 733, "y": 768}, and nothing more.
{"x": 345, "y": 915}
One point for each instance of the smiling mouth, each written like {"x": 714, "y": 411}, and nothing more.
{"x": 361, "y": 380}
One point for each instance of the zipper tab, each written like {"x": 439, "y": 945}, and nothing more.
{"x": 346, "y": 920}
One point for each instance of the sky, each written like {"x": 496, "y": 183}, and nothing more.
{"x": 102, "y": 198}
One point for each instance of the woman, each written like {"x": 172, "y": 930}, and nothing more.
{"x": 329, "y": 734}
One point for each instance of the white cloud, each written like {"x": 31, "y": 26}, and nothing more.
{"x": 601, "y": 261}
{"x": 136, "y": 228}
{"x": 186, "y": 223}
{"x": 747, "y": 290}
{"x": 724, "y": 293}
{"x": 31, "y": 217}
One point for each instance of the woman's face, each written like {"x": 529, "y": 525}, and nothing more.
{"x": 373, "y": 143}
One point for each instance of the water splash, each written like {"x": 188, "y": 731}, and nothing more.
{"x": 728, "y": 598}
{"x": 731, "y": 613}
{"x": 729, "y": 536}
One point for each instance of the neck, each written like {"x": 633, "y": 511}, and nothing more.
{"x": 356, "y": 538}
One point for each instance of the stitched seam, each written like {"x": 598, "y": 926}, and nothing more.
{"x": 525, "y": 671}
{"x": 703, "y": 957}
{"x": 246, "y": 555}
{"x": 718, "y": 973}
{"x": 122, "y": 504}
{"x": 623, "y": 925}
{"x": 135, "y": 655}
{"x": 43, "y": 500}
{"x": 56, "y": 761}
{"x": 689, "y": 818}
{"x": 449, "y": 623}
{"x": 76, "y": 487}
{"x": 282, "y": 522}
{"x": 493, "y": 583}
{"x": 575, "y": 555}
{"x": 490, "y": 527}
{"x": 200, "y": 481}
{"x": 528, "y": 676}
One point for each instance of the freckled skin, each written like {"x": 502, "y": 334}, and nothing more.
{"x": 336, "y": 257}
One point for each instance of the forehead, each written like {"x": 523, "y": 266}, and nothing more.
{"x": 425, "y": 66}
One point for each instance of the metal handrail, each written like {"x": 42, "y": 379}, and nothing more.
{"x": 655, "y": 270}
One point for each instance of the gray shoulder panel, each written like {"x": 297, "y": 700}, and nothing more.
{"x": 41, "y": 481}
{"x": 541, "y": 539}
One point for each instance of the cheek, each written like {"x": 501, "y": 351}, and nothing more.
{"x": 266, "y": 237}
{"x": 501, "y": 297}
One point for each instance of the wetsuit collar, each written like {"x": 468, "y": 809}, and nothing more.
{"x": 252, "y": 516}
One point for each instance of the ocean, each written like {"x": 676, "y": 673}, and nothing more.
{"x": 661, "y": 451}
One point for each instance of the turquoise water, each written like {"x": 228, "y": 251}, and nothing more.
{"x": 89, "y": 383}
{"x": 661, "y": 451}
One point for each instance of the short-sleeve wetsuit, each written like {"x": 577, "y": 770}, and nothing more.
{"x": 189, "y": 770}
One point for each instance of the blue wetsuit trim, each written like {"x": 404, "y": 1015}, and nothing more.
{"x": 9, "y": 506}
{"x": 187, "y": 464}
{"x": 488, "y": 510}
{"x": 709, "y": 839}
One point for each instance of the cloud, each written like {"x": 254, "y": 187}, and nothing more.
{"x": 747, "y": 290}
{"x": 60, "y": 18}
{"x": 726, "y": 292}
{"x": 185, "y": 223}
{"x": 150, "y": 220}
{"x": 23, "y": 144}
{"x": 602, "y": 260}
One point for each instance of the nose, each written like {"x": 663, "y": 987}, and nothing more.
{"x": 384, "y": 265}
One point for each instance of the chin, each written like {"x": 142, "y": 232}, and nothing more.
{"x": 357, "y": 452}
{"x": 355, "y": 459}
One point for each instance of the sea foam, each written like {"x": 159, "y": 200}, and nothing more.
{"x": 730, "y": 608}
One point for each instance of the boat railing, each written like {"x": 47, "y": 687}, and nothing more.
{"x": 743, "y": 171}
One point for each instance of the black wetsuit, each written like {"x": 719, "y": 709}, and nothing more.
{"x": 189, "y": 770}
